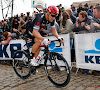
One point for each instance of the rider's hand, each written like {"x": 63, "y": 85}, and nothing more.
{"x": 45, "y": 41}
{"x": 61, "y": 39}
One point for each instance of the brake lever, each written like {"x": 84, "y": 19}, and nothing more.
{"x": 62, "y": 42}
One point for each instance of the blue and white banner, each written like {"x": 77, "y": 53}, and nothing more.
{"x": 63, "y": 50}
{"x": 87, "y": 48}
{"x": 7, "y": 51}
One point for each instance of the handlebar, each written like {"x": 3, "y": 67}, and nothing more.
{"x": 60, "y": 43}
{"x": 58, "y": 40}
{"x": 54, "y": 41}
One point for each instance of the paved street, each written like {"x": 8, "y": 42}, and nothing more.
{"x": 10, "y": 81}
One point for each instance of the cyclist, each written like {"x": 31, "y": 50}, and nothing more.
{"x": 41, "y": 21}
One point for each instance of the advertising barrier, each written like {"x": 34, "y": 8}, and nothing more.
{"x": 87, "y": 48}
{"x": 7, "y": 51}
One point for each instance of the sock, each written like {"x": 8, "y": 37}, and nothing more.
{"x": 31, "y": 55}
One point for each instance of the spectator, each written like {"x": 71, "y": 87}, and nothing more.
{"x": 27, "y": 17}
{"x": 4, "y": 26}
{"x": 8, "y": 36}
{"x": 44, "y": 10}
{"x": 1, "y": 29}
{"x": 96, "y": 18}
{"x": 86, "y": 7}
{"x": 1, "y": 36}
{"x": 22, "y": 16}
{"x": 97, "y": 25}
{"x": 40, "y": 11}
{"x": 83, "y": 23}
{"x": 15, "y": 22}
{"x": 60, "y": 5}
{"x": 90, "y": 11}
{"x": 22, "y": 23}
{"x": 9, "y": 23}
{"x": 97, "y": 4}
{"x": 71, "y": 5}
{"x": 73, "y": 18}
{"x": 80, "y": 9}
{"x": 62, "y": 9}
{"x": 58, "y": 18}
{"x": 34, "y": 14}
{"x": 67, "y": 25}
{"x": 74, "y": 11}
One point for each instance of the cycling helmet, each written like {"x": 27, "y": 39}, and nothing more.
{"x": 53, "y": 9}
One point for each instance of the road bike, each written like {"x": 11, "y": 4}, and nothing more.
{"x": 55, "y": 65}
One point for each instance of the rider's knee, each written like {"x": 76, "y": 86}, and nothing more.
{"x": 39, "y": 42}
{"x": 39, "y": 48}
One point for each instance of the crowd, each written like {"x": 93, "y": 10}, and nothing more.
{"x": 84, "y": 19}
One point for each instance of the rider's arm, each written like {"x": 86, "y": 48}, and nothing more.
{"x": 6, "y": 42}
{"x": 54, "y": 32}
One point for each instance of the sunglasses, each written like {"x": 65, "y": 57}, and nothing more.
{"x": 53, "y": 15}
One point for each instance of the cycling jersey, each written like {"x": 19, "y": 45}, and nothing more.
{"x": 38, "y": 23}
{"x": 41, "y": 22}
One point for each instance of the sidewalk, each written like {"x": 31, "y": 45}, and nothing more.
{"x": 10, "y": 81}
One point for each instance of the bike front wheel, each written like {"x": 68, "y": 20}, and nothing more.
{"x": 57, "y": 69}
{"x": 21, "y": 64}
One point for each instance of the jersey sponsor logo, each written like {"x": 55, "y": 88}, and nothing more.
{"x": 38, "y": 24}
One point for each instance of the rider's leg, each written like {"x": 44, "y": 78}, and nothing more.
{"x": 36, "y": 45}
{"x": 35, "y": 51}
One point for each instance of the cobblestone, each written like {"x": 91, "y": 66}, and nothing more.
{"x": 10, "y": 81}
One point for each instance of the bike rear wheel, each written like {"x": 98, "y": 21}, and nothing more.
{"x": 21, "y": 64}
{"x": 57, "y": 69}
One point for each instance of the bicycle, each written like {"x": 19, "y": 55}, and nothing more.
{"x": 57, "y": 73}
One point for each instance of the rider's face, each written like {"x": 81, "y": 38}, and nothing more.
{"x": 52, "y": 17}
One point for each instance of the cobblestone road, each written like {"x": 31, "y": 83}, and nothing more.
{"x": 10, "y": 81}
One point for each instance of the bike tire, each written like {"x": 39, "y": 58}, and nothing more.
{"x": 21, "y": 67}
{"x": 57, "y": 73}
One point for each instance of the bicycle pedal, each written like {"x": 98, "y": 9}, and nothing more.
{"x": 34, "y": 72}
{"x": 56, "y": 69}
